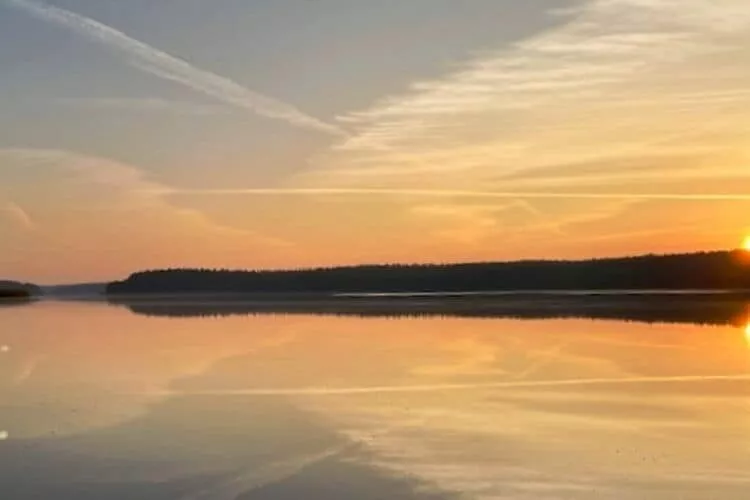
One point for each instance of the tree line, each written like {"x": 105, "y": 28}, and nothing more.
{"x": 17, "y": 290}
{"x": 694, "y": 271}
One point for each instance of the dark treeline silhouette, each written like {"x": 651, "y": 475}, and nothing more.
{"x": 709, "y": 309}
{"x": 697, "y": 271}
{"x": 13, "y": 290}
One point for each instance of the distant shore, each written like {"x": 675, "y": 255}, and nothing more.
{"x": 727, "y": 271}
{"x": 703, "y": 288}
{"x": 15, "y": 291}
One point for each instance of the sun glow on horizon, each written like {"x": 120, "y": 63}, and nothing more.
{"x": 746, "y": 244}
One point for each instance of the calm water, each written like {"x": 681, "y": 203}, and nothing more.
{"x": 99, "y": 403}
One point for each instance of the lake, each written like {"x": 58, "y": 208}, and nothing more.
{"x": 106, "y": 402}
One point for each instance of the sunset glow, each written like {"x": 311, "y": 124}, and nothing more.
{"x": 295, "y": 249}
{"x": 391, "y": 132}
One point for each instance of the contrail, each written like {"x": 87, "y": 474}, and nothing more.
{"x": 163, "y": 65}
{"x": 452, "y": 193}
{"x": 261, "y": 476}
{"x": 508, "y": 384}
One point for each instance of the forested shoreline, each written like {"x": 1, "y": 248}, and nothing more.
{"x": 695, "y": 271}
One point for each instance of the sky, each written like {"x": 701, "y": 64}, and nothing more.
{"x": 297, "y": 133}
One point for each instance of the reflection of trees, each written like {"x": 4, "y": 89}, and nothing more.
{"x": 9, "y": 301}
{"x": 696, "y": 308}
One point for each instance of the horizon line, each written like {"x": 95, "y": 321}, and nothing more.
{"x": 737, "y": 250}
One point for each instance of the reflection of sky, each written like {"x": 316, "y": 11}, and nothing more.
{"x": 104, "y": 402}
{"x": 293, "y": 133}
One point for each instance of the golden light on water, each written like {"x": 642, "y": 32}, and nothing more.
{"x": 747, "y": 333}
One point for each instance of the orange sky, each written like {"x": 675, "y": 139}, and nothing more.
{"x": 611, "y": 128}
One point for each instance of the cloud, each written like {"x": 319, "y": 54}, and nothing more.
{"x": 507, "y": 384}
{"x": 458, "y": 193}
{"x": 17, "y": 215}
{"x": 618, "y": 103}
{"x": 163, "y": 65}
{"x": 641, "y": 168}
{"x": 459, "y": 223}
{"x": 625, "y": 92}
{"x": 113, "y": 212}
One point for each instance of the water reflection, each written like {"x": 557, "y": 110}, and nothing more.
{"x": 695, "y": 307}
{"x": 15, "y": 302}
{"x": 103, "y": 403}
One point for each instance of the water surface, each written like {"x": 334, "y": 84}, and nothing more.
{"x": 101, "y": 402}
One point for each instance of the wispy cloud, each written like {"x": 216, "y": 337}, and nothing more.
{"x": 122, "y": 193}
{"x": 621, "y": 105}
{"x": 18, "y": 215}
{"x": 457, "y": 193}
{"x": 507, "y": 384}
{"x": 168, "y": 67}
{"x": 634, "y": 89}
{"x": 466, "y": 224}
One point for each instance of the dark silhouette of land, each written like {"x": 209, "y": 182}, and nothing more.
{"x": 14, "y": 291}
{"x": 696, "y": 271}
{"x": 702, "y": 288}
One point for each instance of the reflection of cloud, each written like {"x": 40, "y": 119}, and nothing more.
{"x": 473, "y": 358}
{"x": 27, "y": 370}
{"x": 172, "y": 68}
{"x": 535, "y": 440}
{"x": 264, "y": 475}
